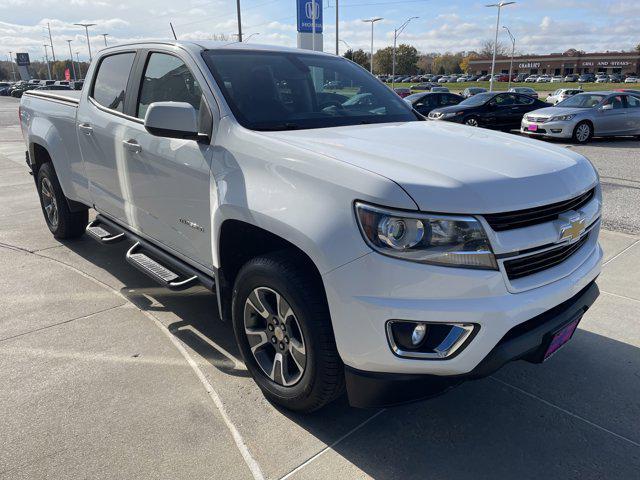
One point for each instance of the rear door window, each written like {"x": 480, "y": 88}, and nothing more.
{"x": 167, "y": 79}
{"x": 110, "y": 86}
{"x": 633, "y": 102}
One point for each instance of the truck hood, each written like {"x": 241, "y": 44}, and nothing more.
{"x": 446, "y": 167}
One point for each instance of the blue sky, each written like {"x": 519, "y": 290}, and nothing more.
{"x": 540, "y": 26}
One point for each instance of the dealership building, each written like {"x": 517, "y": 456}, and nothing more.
{"x": 571, "y": 61}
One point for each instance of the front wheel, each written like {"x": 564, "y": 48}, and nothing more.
{"x": 582, "y": 133}
{"x": 472, "y": 122}
{"x": 282, "y": 325}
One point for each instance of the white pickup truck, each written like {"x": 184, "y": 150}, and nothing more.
{"x": 351, "y": 243}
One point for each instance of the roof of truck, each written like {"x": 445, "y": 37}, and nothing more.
{"x": 198, "y": 45}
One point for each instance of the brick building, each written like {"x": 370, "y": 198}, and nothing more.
{"x": 565, "y": 63}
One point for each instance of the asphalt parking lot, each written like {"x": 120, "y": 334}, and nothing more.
{"x": 104, "y": 375}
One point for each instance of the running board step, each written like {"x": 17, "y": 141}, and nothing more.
{"x": 97, "y": 230}
{"x": 156, "y": 271}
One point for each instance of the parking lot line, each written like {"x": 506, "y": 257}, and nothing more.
{"x": 620, "y": 253}
{"x": 564, "y": 410}
{"x": 330, "y": 447}
{"x": 251, "y": 463}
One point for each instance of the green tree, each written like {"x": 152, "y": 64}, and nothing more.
{"x": 358, "y": 56}
{"x": 448, "y": 63}
{"x": 382, "y": 60}
{"x": 406, "y": 60}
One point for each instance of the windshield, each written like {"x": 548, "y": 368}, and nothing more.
{"x": 286, "y": 91}
{"x": 478, "y": 99}
{"x": 582, "y": 100}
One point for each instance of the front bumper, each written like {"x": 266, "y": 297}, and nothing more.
{"x": 555, "y": 129}
{"x": 527, "y": 341}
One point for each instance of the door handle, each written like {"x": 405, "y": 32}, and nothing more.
{"x": 132, "y": 146}
{"x": 85, "y": 128}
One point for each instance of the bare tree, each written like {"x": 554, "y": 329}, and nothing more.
{"x": 486, "y": 50}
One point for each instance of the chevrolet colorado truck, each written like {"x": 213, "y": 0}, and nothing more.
{"x": 353, "y": 244}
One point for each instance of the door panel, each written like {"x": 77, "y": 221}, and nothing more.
{"x": 611, "y": 122}
{"x": 632, "y": 120}
{"x": 169, "y": 178}
{"x": 100, "y": 131}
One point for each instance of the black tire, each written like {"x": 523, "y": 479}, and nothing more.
{"x": 578, "y": 133}
{"x": 322, "y": 379}
{"x": 472, "y": 121}
{"x": 64, "y": 224}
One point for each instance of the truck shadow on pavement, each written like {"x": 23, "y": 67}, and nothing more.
{"x": 573, "y": 417}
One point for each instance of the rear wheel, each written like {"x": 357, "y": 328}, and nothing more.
{"x": 283, "y": 328}
{"x": 61, "y": 221}
{"x": 582, "y": 133}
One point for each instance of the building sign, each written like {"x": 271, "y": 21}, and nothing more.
{"x": 529, "y": 65}
{"x": 306, "y": 11}
{"x": 22, "y": 59}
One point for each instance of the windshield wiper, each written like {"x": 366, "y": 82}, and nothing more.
{"x": 280, "y": 126}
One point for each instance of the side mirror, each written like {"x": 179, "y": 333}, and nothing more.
{"x": 608, "y": 106}
{"x": 172, "y": 120}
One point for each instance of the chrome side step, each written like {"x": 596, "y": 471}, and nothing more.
{"x": 96, "y": 230}
{"x": 155, "y": 262}
{"x": 156, "y": 271}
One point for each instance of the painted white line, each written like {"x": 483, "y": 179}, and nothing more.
{"x": 564, "y": 410}
{"x": 252, "y": 464}
{"x": 330, "y": 447}
{"x": 617, "y": 255}
{"x": 620, "y": 296}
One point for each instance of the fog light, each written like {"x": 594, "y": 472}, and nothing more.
{"x": 428, "y": 340}
{"x": 418, "y": 334}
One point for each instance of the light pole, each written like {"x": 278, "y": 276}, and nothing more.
{"x": 46, "y": 56}
{"x": 345, "y": 42}
{"x": 337, "y": 15}
{"x": 86, "y": 30}
{"x": 396, "y": 34}
{"x": 105, "y": 35}
{"x": 513, "y": 49}
{"x": 73, "y": 66}
{"x": 13, "y": 70}
{"x": 79, "y": 66}
{"x": 495, "y": 43}
{"x": 252, "y": 35}
{"x": 372, "y": 21}
{"x": 239, "y": 21}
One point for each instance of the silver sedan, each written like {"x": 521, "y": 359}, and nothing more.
{"x": 583, "y": 116}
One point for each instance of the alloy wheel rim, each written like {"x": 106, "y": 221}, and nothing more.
{"x": 583, "y": 132}
{"x": 49, "y": 202}
{"x": 275, "y": 337}
{"x": 472, "y": 122}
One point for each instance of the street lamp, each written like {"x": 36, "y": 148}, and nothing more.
{"x": 79, "y": 66}
{"x": 495, "y": 43}
{"x": 46, "y": 56}
{"x": 372, "y": 21}
{"x": 86, "y": 30}
{"x": 246, "y": 39}
{"x": 73, "y": 65}
{"x": 396, "y": 34}
{"x": 105, "y": 35}
{"x": 348, "y": 46}
{"x": 13, "y": 70}
{"x": 513, "y": 49}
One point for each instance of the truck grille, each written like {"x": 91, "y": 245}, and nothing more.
{"x": 521, "y": 267}
{"x": 533, "y": 216}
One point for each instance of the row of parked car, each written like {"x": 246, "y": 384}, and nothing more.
{"x": 16, "y": 89}
{"x": 520, "y": 77}
{"x": 577, "y": 115}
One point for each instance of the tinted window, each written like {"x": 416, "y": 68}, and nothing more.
{"x": 283, "y": 90}
{"x": 525, "y": 100}
{"x": 633, "y": 102}
{"x": 505, "y": 99}
{"x": 110, "y": 86}
{"x": 167, "y": 79}
{"x": 449, "y": 100}
{"x": 616, "y": 102}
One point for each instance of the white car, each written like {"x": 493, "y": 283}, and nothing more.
{"x": 562, "y": 94}
{"x": 350, "y": 244}
{"x": 602, "y": 80}
{"x": 557, "y": 79}
{"x": 543, "y": 79}
{"x": 632, "y": 80}
{"x": 531, "y": 79}
{"x": 443, "y": 79}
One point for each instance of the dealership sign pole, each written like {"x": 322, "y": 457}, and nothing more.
{"x": 513, "y": 50}
{"x": 13, "y": 70}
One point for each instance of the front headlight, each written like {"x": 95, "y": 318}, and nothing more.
{"x": 448, "y": 240}
{"x": 451, "y": 114}
{"x": 562, "y": 118}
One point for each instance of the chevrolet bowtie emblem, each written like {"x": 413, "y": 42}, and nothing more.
{"x": 572, "y": 225}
